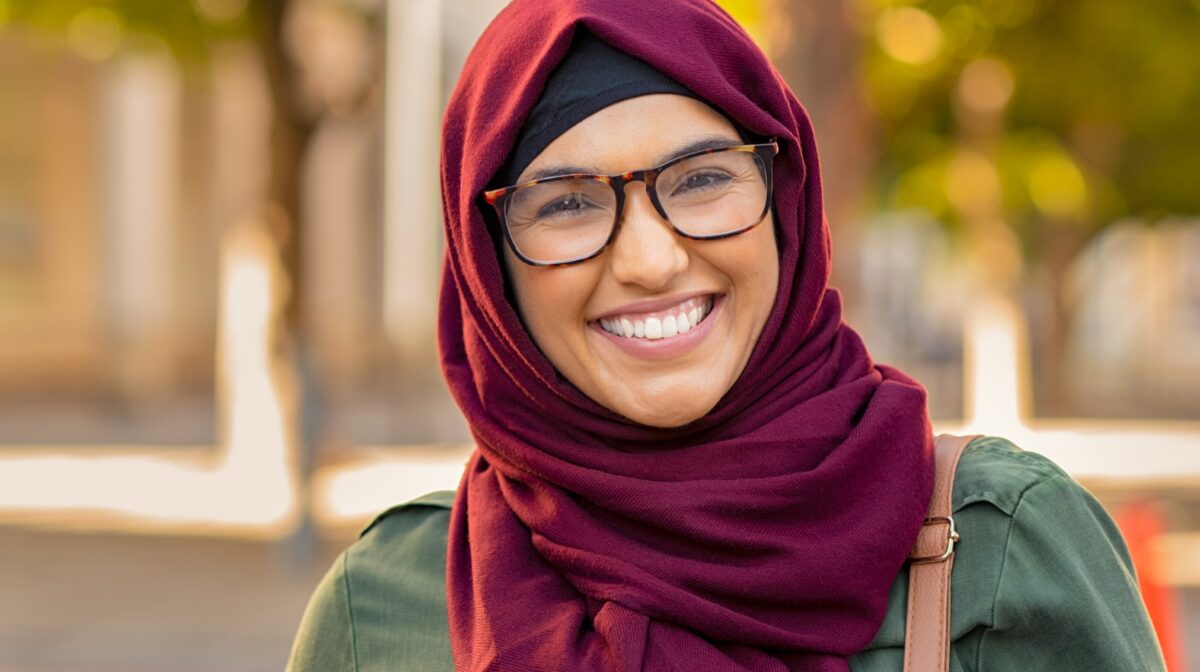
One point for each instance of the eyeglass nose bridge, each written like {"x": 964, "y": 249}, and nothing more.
{"x": 648, "y": 176}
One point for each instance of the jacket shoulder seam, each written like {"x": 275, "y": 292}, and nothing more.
{"x": 419, "y": 503}
{"x": 1038, "y": 469}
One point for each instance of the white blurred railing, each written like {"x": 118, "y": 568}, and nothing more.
{"x": 997, "y": 401}
{"x": 248, "y": 484}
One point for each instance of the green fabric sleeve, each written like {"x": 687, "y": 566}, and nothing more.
{"x": 396, "y": 578}
{"x": 325, "y": 641}
{"x": 1067, "y": 599}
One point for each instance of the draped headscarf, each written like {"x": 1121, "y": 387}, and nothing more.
{"x": 762, "y": 536}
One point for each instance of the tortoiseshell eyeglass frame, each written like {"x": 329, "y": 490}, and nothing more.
{"x": 498, "y": 198}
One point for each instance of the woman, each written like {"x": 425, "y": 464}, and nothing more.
{"x": 685, "y": 460}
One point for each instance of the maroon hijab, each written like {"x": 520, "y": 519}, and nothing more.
{"x": 763, "y": 536}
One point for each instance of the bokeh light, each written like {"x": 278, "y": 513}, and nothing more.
{"x": 95, "y": 33}
{"x": 986, "y": 85}
{"x": 972, "y": 185}
{"x": 221, "y": 10}
{"x": 910, "y": 35}
{"x": 1057, "y": 186}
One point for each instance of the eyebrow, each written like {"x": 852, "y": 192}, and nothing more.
{"x": 709, "y": 142}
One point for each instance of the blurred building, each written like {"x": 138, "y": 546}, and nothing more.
{"x": 114, "y": 182}
{"x": 1134, "y": 347}
{"x": 914, "y": 287}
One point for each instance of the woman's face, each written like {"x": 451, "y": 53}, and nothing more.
{"x": 647, "y": 275}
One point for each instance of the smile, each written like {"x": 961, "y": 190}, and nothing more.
{"x": 661, "y": 324}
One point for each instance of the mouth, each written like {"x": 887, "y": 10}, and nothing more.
{"x": 664, "y": 324}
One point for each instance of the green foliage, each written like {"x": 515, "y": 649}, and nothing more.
{"x": 1101, "y": 122}
{"x": 95, "y": 27}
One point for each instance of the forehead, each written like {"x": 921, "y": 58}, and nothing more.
{"x": 631, "y": 134}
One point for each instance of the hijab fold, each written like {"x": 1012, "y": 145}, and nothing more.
{"x": 762, "y": 536}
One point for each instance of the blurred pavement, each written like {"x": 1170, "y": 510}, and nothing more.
{"x": 108, "y": 603}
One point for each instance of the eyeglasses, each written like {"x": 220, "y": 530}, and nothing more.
{"x": 703, "y": 195}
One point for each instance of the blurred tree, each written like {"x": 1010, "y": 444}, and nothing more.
{"x": 817, "y": 49}
{"x": 1027, "y": 126}
{"x": 1084, "y": 110}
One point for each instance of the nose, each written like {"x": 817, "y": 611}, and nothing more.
{"x": 646, "y": 252}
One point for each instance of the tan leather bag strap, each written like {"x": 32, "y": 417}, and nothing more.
{"x": 927, "y": 633}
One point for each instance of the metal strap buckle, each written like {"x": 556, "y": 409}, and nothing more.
{"x": 951, "y": 538}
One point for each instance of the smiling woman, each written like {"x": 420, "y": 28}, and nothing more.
{"x": 620, "y": 327}
{"x": 685, "y": 458}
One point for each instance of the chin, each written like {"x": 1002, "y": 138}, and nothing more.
{"x": 651, "y": 415}
{"x": 665, "y": 400}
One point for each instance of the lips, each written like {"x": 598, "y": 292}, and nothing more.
{"x": 665, "y": 323}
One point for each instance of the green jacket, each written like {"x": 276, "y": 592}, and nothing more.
{"x": 1042, "y": 580}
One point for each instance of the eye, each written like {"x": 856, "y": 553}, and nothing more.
{"x": 702, "y": 181}
{"x": 564, "y": 205}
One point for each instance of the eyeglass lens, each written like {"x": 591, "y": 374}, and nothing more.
{"x": 703, "y": 196}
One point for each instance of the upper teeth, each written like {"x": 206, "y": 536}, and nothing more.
{"x": 673, "y": 322}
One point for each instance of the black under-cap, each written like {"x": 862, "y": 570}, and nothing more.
{"x": 590, "y": 77}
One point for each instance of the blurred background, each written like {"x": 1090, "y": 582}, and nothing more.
{"x": 220, "y": 245}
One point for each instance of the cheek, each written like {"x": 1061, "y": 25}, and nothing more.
{"x": 551, "y": 303}
{"x": 751, "y": 261}
{"x": 766, "y": 260}
{"x": 767, "y": 267}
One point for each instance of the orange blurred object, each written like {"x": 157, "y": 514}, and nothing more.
{"x": 1141, "y": 523}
